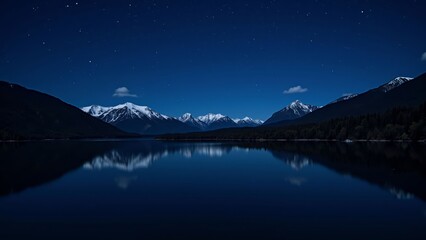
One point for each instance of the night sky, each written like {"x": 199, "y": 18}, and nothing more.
{"x": 232, "y": 57}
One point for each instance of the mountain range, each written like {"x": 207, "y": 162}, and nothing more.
{"x": 28, "y": 114}
{"x": 296, "y": 111}
{"x": 138, "y": 119}
{"x": 394, "y": 110}
{"x": 401, "y": 91}
{"x": 130, "y": 117}
{"x": 216, "y": 121}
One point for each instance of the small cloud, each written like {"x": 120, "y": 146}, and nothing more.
{"x": 296, "y": 89}
{"x": 123, "y": 92}
{"x": 347, "y": 94}
{"x": 424, "y": 56}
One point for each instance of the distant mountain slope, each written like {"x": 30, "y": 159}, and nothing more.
{"x": 400, "y": 91}
{"x": 248, "y": 122}
{"x": 344, "y": 98}
{"x": 188, "y": 119}
{"x": 217, "y": 121}
{"x": 138, "y": 119}
{"x": 28, "y": 114}
{"x": 292, "y": 111}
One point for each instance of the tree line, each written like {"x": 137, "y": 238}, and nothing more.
{"x": 400, "y": 123}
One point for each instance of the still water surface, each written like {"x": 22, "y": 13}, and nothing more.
{"x": 152, "y": 190}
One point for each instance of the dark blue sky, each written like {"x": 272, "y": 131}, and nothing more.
{"x": 232, "y": 57}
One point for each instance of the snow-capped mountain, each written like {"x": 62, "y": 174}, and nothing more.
{"x": 123, "y": 112}
{"x": 401, "y": 91}
{"x": 213, "y": 121}
{"x": 95, "y": 110}
{"x": 216, "y": 121}
{"x": 248, "y": 122}
{"x": 384, "y": 88}
{"x": 138, "y": 119}
{"x": 188, "y": 119}
{"x": 144, "y": 120}
{"x": 294, "y": 110}
{"x": 394, "y": 83}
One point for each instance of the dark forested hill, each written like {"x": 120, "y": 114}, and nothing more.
{"x": 28, "y": 114}
{"x": 378, "y": 100}
{"x": 400, "y": 123}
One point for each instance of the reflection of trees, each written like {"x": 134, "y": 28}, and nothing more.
{"x": 28, "y": 164}
{"x": 399, "y": 168}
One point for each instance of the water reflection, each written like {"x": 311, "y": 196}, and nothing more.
{"x": 123, "y": 160}
{"x": 297, "y": 181}
{"x": 398, "y": 168}
{"x": 130, "y": 159}
{"x": 123, "y": 182}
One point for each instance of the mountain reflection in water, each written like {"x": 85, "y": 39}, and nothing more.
{"x": 398, "y": 168}
{"x": 142, "y": 189}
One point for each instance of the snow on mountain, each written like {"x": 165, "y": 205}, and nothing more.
{"x": 299, "y": 109}
{"x": 133, "y": 118}
{"x": 215, "y": 121}
{"x": 294, "y": 110}
{"x": 210, "y": 118}
{"x": 345, "y": 97}
{"x": 123, "y": 112}
{"x": 248, "y": 122}
{"x": 185, "y": 117}
{"x": 394, "y": 83}
{"x": 95, "y": 110}
{"x": 144, "y": 118}
{"x": 188, "y": 119}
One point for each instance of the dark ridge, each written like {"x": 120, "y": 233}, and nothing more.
{"x": 28, "y": 114}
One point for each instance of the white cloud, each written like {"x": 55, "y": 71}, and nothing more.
{"x": 296, "y": 89}
{"x": 424, "y": 56}
{"x": 123, "y": 92}
{"x": 347, "y": 94}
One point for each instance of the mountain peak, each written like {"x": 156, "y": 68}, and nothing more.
{"x": 211, "y": 117}
{"x": 295, "y": 109}
{"x": 398, "y": 81}
{"x": 186, "y": 117}
{"x": 296, "y": 103}
{"x": 130, "y": 105}
{"x": 297, "y": 106}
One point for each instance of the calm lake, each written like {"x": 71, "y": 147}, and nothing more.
{"x": 149, "y": 189}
